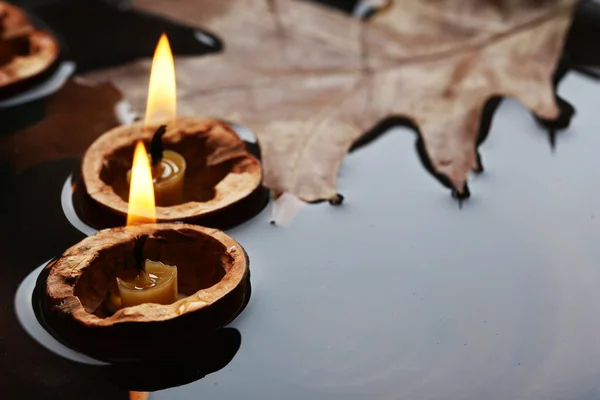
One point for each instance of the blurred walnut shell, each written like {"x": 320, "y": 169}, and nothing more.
{"x": 213, "y": 271}
{"x": 13, "y": 21}
{"x": 219, "y": 172}
{"x": 25, "y": 52}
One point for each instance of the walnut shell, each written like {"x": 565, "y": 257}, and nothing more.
{"x": 213, "y": 271}
{"x": 219, "y": 173}
{"x": 25, "y": 52}
{"x": 13, "y": 21}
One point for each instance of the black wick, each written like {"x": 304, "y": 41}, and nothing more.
{"x": 156, "y": 146}
{"x": 138, "y": 250}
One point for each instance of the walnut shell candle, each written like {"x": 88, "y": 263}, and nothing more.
{"x": 26, "y": 53}
{"x": 219, "y": 169}
{"x": 212, "y": 272}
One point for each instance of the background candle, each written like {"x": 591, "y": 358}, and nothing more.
{"x": 157, "y": 285}
{"x": 167, "y": 177}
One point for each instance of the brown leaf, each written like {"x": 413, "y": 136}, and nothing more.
{"x": 309, "y": 80}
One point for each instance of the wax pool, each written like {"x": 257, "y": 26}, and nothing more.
{"x": 158, "y": 285}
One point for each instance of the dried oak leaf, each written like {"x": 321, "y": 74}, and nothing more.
{"x": 309, "y": 80}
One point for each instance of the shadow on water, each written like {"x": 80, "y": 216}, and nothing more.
{"x": 149, "y": 375}
{"x": 485, "y": 124}
{"x": 484, "y": 128}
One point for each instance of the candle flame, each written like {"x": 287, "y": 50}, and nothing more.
{"x": 162, "y": 103}
{"x": 141, "y": 191}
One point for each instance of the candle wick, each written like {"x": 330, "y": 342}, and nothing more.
{"x": 156, "y": 146}
{"x": 138, "y": 252}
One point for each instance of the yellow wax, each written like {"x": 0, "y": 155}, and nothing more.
{"x": 114, "y": 299}
{"x": 167, "y": 177}
{"x": 157, "y": 285}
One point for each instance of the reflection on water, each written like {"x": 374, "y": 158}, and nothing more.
{"x": 157, "y": 374}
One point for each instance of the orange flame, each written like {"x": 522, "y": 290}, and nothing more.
{"x": 161, "y": 109}
{"x": 162, "y": 103}
{"x": 141, "y": 192}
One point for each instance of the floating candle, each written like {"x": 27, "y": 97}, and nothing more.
{"x": 157, "y": 284}
{"x": 216, "y": 290}
{"x": 213, "y": 173}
